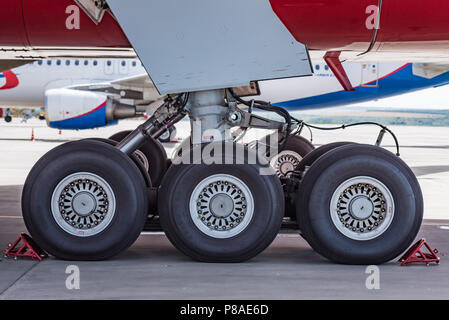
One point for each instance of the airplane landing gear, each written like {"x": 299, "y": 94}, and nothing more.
{"x": 355, "y": 204}
{"x": 8, "y": 117}
{"x": 359, "y": 204}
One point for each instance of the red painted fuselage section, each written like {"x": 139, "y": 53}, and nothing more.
{"x": 320, "y": 24}
{"x": 350, "y": 24}
{"x": 42, "y": 23}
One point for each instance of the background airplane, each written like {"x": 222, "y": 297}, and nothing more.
{"x": 124, "y": 81}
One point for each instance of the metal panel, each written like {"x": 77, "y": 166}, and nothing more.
{"x": 193, "y": 45}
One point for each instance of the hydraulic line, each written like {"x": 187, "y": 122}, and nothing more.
{"x": 344, "y": 126}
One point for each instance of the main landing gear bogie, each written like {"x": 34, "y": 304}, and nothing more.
{"x": 88, "y": 200}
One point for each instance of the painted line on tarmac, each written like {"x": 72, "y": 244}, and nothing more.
{"x": 11, "y": 217}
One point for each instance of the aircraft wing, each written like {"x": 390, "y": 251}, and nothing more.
{"x": 140, "y": 89}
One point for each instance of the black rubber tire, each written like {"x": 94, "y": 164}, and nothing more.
{"x": 338, "y": 165}
{"x": 8, "y": 119}
{"x": 170, "y": 137}
{"x": 296, "y": 143}
{"x": 299, "y": 144}
{"x": 156, "y": 156}
{"x": 117, "y": 169}
{"x": 173, "y": 202}
{"x": 311, "y": 157}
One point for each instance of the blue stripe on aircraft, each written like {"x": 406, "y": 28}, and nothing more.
{"x": 400, "y": 82}
{"x": 89, "y": 121}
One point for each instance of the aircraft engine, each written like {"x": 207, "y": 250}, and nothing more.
{"x": 77, "y": 109}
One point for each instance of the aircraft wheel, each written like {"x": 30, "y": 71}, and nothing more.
{"x": 169, "y": 135}
{"x": 8, "y": 119}
{"x": 85, "y": 200}
{"x": 220, "y": 212}
{"x": 287, "y": 160}
{"x": 359, "y": 204}
{"x": 153, "y": 156}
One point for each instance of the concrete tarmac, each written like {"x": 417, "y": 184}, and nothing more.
{"x": 288, "y": 269}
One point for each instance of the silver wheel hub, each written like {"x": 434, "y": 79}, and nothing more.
{"x": 221, "y": 206}
{"x": 362, "y": 208}
{"x": 285, "y": 162}
{"x": 83, "y": 204}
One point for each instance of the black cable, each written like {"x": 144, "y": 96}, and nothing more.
{"x": 186, "y": 99}
{"x": 344, "y": 126}
{"x": 266, "y": 106}
{"x": 301, "y": 125}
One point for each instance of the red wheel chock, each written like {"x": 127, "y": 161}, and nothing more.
{"x": 25, "y": 247}
{"x": 416, "y": 255}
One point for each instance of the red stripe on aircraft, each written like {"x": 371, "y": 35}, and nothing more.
{"x": 91, "y": 111}
{"x": 11, "y": 80}
{"x": 386, "y": 76}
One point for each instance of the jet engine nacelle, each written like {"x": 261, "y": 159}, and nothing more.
{"x": 77, "y": 109}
